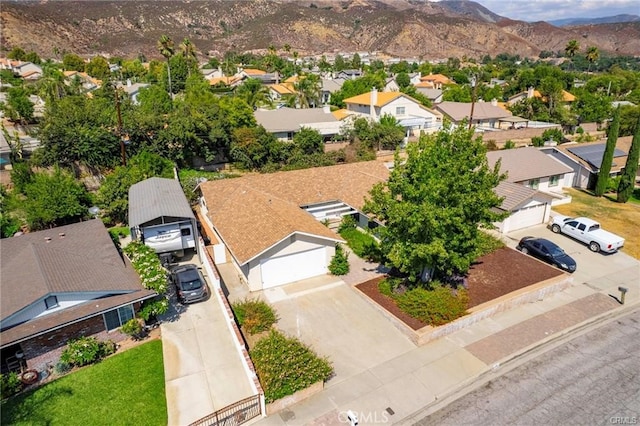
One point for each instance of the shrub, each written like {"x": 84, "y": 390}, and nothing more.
{"x": 132, "y": 328}
{"x": 86, "y": 350}
{"x": 153, "y": 308}
{"x": 254, "y": 315}
{"x": 613, "y": 183}
{"x": 488, "y": 244}
{"x": 509, "y": 144}
{"x": 579, "y": 130}
{"x": 147, "y": 264}
{"x": 554, "y": 134}
{"x": 285, "y": 365}
{"x": 362, "y": 244}
{"x": 340, "y": 262}
{"x": 62, "y": 368}
{"x": 10, "y": 384}
{"x": 348, "y": 222}
{"x": 436, "y": 306}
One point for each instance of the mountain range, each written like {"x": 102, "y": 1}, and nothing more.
{"x": 401, "y": 28}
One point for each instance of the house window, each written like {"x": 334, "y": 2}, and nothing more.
{"x": 51, "y": 302}
{"x": 185, "y": 232}
{"x": 554, "y": 180}
{"x": 289, "y": 136}
{"x": 117, "y": 317}
{"x": 533, "y": 183}
{"x": 399, "y": 110}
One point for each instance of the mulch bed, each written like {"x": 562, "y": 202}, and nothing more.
{"x": 494, "y": 275}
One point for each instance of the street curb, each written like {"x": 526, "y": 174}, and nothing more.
{"x": 516, "y": 359}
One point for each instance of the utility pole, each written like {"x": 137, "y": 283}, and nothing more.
{"x": 123, "y": 151}
{"x": 473, "y": 100}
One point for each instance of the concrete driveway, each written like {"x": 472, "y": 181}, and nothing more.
{"x": 604, "y": 272}
{"x": 202, "y": 366}
{"x": 328, "y": 315}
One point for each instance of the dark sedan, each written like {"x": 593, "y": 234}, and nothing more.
{"x": 548, "y": 252}
{"x": 189, "y": 283}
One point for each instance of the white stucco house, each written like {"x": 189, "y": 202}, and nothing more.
{"x": 270, "y": 225}
{"x": 285, "y": 122}
{"x": 534, "y": 183}
{"x": 410, "y": 113}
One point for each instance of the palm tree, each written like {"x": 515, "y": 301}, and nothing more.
{"x": 571, "y": 49}
{"x": 308, "y": 88}
{"x": 254, "y": 93}
{"x": 189, "y": 52}
{"x": 592, "y": 55}
{"x": 166, "y": 48}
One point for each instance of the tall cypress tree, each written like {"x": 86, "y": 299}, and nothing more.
{"x": 628, "y": 179}
{"x": 607, "y": 158}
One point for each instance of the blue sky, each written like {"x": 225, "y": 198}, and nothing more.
{"x": 548, "y": 10}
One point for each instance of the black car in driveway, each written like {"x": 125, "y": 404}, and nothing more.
{"x": 548, "y": 252}
{"x": 190, "y": 283}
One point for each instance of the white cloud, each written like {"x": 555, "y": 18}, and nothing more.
{"x": 548, "y": 10}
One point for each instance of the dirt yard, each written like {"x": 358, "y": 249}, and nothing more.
{"x": 621, "y": 219}
{"x": 494, "y": 275}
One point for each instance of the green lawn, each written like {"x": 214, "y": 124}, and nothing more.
{"x": 125, "y": 389}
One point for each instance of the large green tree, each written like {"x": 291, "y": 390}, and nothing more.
{"x": 435, "y": 202}
{"x": 54, "y": 199}
{"x": 628, "y": 179}
{"x": 113, "y": 195}
{"x": 607, "y": 157}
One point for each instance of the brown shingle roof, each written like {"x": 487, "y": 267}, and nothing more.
{"x": 526, "y": 163}
{"x": 77, "y": 258}
{"x": 254, "y": 212}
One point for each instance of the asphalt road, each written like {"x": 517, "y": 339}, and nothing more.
{"x": 593, "y": 379}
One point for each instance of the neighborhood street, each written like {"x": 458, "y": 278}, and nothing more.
{"x": 592, "y": 379}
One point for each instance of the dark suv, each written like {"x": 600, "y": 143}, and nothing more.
{"x": 189, "y": 283}
{"x": 548, "y": 252}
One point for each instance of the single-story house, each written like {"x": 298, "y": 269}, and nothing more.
{"x": 286, "y": 122}
{"x": 87, "y": 82}
{"x": 271, "y": 224}
{"x": 350, "y": 74}
{"x": 329, "y": 86}
{"x": 486, "y": 115}
{"x": 279, "y": 91}
{"x": 390, "y": 85}
{"x": 411, "y": 114}
{"x": 436, "y": 80}
{"x": 585, "y": 159}
{"x": 530, "y": 167}
{"x": 60, "y": 284}
{"x": 527, "y": 207}
{"x": 434, "y": 95}
{"x": 132, "y": 90}
{"x": 532, "y": 93}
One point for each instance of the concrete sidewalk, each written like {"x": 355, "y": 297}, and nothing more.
{"x": 392, "y": 390}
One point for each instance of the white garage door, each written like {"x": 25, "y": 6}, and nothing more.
{"x": 528, "y": 216}
{"x": 293, "y": 267}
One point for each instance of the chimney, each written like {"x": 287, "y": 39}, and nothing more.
{"x": 220, "y": 71}
{"x": 374, "y": 101}
{"x": 326, "y": 109}
{"x": 128, "y": 82}
{"x": 530, "y": 93}
{"x": 494, "y": 102}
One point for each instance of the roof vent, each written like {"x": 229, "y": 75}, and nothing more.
{"x": 61, "y": 235}
{"x": 47, "y": 239}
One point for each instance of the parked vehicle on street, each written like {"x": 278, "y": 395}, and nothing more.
{"x": 548, "y": 252}
{"x": 190, "y": 284}
{"x": 589, "y": 232}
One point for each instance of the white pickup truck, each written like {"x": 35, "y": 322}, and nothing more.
{"x": 589, "y": 232}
